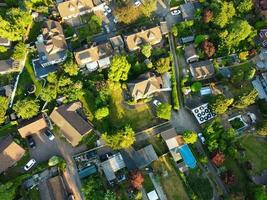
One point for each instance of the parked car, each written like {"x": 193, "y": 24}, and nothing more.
{"x": 115, "y": 20}
{"x": 107, "y": 28}
{"x": 175, "y": 12}
{"x": 201, "y": 137}
{"x": 31, "y": 141}
{"x": 157, "y": 102}
{"x": 49, "y": 134}
{"x": 107, "y": 9}
{"x": 137, "y": 3}
{"x": 29, "y": 164}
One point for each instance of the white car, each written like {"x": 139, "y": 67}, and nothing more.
{"x": 107, "y": 28}
{"x": 29, "y": 164}
{"x": 115, "y": 20}
{"x": 137, "y": 3}
{"x": 156, "y": 102}
{"x": 50, "y": 135}
{"x": 105, "y": 13}
{"x": 201, "y": 137}
{"x": 175, "y": 12}
{"x": 107, "y": 9}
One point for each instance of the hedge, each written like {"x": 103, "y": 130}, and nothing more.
{"x": 175, "y": 99}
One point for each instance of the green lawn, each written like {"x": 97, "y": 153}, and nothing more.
{"x": 6, "y": 55}
{"x": 169, "y": 179}
{"x": 8, "y": 128}
{"x": 256, "y": 152}
{"x": 26, "y": 79}
{"x": 139, "y": 118}
{"x": 147, "y": 184}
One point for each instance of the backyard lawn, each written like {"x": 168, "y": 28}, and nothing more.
{"x": 256, "y": 152}
{"x": 170, "y": 181}
{"x": 139, "y": 118}
{"x": 147, "y": 184}
{"x": 26, "y": 79}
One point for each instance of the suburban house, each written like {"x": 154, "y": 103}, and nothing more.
{"x": 263, "y": 37}
{"x": 140, "y": 158}
{"x": 146, "y": 85}
{"x": 112, "y": 165}
{"x": 8, "y": 65}
{"x": 188, "y": 11}
{"x": 70, "y": 11}
{"x": 51, "y": 44}
{"x": 5, "y": 42}
{"x": 179, "y": 149}
{"x": 71, "y": 122}
{"x": 202, "y": 70}
{"x": 260, "y": 84}
{"x": 95, "y": 57}
{"x": 152, "y": 36}
{"x": 10, "y": 153}
{"x": 117, "y": 43}
{"x": 32, "y": 126}
{"x": 190, "y": 54}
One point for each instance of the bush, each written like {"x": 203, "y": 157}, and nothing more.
{"x": 196, "y": 87}
{"x": 164, "y": 111}
{"x": 175, "y": 99}
{"x": 236, "y": 123}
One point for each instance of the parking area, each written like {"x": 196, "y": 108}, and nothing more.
{"x": 45, "y": 148}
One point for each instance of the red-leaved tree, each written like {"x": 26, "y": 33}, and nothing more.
{"x": 208, "y": 48}
{"x": 218, "y": 159}
{"x": 207, "y": 16}
{"x": 136, "y": 179}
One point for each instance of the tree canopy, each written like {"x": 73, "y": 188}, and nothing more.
{"x": 163, "y": 65}
{"x": 92, "y": 188}
{"x": 101, "y": 113}
{"x": 224, "y": 11}
{"x": 49, "y": 93}
{"x": 70, "y": 67}
{"x": 219, "y": 104}
{"x": 262, "y": 127}
{"x": 19, "y": 52}
{"x": 246, "y": 99}
{"x": 244, "y": 6}
{"x": 119, "y": 68}
{"x": 26, "y": 109}
{"x": 3, "y": 108}
{"x": 164, "y": 111}
{"x": 190, "y": 137}
{"x": 122, "y": 139}
{"x": 146, "y": 50}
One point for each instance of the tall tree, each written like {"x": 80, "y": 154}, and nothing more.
{"x": 246, "y": 99}
{"x": 190, "y": 137}
{"x": 70, "y": 67}
{"x": 26, "y": 109}
{"x": 224, "y": 12}
{"x": 244, "y": 6}
{"x": 163, "y": 65}
{"x": 261, "y": 127}
{"x": 146, "y": 50}
{"x": 208, "y": 48}
{"x": 164, "y": 111}
{"x": 19, "y": 52}
{"x": 122, "y": 139}
{"x": 218, "y": 158}
{"x": 148, "y": 7}
{"x": 101, "y": 113}
{"x": 49, "y": 93}
{"x": 207, "y": 15}
{"x": 136, "y": 179}
{"x": 219, "y": 104}
{"x": 3, "y": 108}
{"x": 119, "y": 68}
{"x": 127, "y": 14}
{"x": 110, "y": 195}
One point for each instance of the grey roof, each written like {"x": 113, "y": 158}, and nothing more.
{"x": 4, "y": 42}
{"x": 168, "y": 134}
{"x": 188, "y": 11}
{"x": 112, "y": 165}
{"x": 117, "y": 42}
{"x": 139, "y": 159}
{"x": 41, "y": 72}
{"x": 187, "y": 39}
{"x": 6, "y": 65}
{"x": 5, "y": 142}
{"x": 202, "y": 70}
{"x": 164, "y": 27}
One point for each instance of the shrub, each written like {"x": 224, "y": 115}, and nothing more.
{"x": 196, "y": 86}
{"x": 164, "y": 111}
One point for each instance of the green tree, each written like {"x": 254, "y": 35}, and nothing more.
{"x": 224, "y": 12}
{"x": 163, "y": 65}
{"x": 19, "y": 52}
{"x": 122, "y": 139}
{"x": 3, "y": 108}
{"x": 92, "y": 188}
{"x": 164, "y": 111}
{"x": 49, "y": 93}
{"x": 148, "y": 7}
{"x": 250, "y": 74}
{"x": 14, "y": 24}
{"x": 70, "y": 67}
{"x": 52, "y": 78}
{"x": 219, "y": 104}
{"x": 101, "y": 113}
{"x": 262, "y": 127}
{"x": 246, "y": 99}
{"x": 175, "y": 30}
{"x": 26, "y": 109}
{"x": 245, "y": 6}
{"x": 127, "y": 14}
{"x": 119, "y": 68}
{"x": 110, "y": 196}
{"x": 190, "y": 137}
{"x": 146, "y": 50}
{"x": 8, "y": 191}
{"x": 196, "y": 86}
{"x": 3, "y": 49}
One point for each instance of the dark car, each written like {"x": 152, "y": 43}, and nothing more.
{"x": 31, "y": 141}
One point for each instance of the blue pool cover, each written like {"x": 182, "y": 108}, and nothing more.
{"x": 187, "y": 155}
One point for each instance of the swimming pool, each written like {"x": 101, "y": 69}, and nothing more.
{"x": 187, "y": 155}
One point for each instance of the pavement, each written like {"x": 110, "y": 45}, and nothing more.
{"x": 158, "y": 188}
